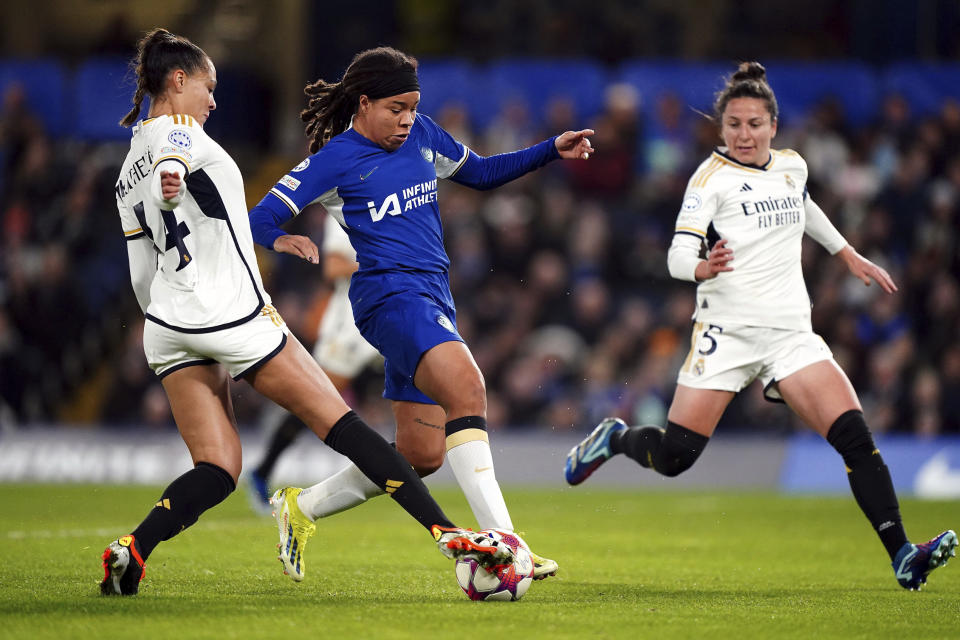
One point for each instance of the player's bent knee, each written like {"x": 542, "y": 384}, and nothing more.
{"x": 423, "y": 462}
{"x": 424, "y": 470}
{"x": 678, "y": 450}
{"x": 673, "y": 468}
{"x": 471, "y": 397}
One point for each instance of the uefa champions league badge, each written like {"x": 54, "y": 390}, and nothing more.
{"x": 303, "y": 165}
{"x": 692, "y": 203}
{"x": 427, "y": 154}
{"x": 444, "y": 322}
{"x": 180, "y": 138}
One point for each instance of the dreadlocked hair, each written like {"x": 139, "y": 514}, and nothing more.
{"x": 330, "y": 105}
{"x": 158, "y": 53}
{"x": 748, "y": 81}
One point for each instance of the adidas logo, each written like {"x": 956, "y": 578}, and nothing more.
{"x": 705, "y": 304}
{"x": 746, "y": 187}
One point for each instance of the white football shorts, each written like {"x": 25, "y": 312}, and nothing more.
{"x": 340, "y": 349}
{"x": 240, "y": 349}
{"x": 730, "y": 357}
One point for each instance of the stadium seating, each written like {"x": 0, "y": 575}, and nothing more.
{"x": 538, "y": 82}
{"x": 694, "y": 83}
{"x": 924, "y": 86}
{"x": 446, "y": 82}
{"x": 87, "y": 102}
{"x": 45, "y": 83}
{"x": 801, "y": 86}
{"x": 102, "y": 94}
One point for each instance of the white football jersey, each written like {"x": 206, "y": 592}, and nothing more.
{"x": 207, "y": 276}
{"x": 760, "y": 211}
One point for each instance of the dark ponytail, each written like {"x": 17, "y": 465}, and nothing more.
{"x": 158, "y": 53}
{"x": 748, "y": 81}
{"x": 376, "y": 73}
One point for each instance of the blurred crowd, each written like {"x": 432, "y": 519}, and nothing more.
{"x": 560, "y": 278}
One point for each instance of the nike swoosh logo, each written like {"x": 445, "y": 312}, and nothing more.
{"x": 481, "y": 469}
{"x": 367, "y": 175}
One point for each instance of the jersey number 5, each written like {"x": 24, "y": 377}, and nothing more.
{"x": 708, "y": 342}
{"x": 176, "y": 232}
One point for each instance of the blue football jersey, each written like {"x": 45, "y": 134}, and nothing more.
{"x": 386, "y": 200}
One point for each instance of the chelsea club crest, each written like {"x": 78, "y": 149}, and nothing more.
{"x": 427, "y": 154}
{"x": 444, "y": 322}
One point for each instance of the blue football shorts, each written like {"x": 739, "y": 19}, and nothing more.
{"x": 403, "y": 327}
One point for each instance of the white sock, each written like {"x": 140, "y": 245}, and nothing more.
{"x": 472, "y": 464}
{"x": 343, "y": 490}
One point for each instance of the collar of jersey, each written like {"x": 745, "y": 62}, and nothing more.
{"x": 140, "y": 124}
{"x": 758, "y": 167}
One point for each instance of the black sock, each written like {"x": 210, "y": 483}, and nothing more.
{"x": 282, "y": 438}
{"x": 204, "y": 486}
{"x": 669, "y": 451}
{"x": 638, "y": 443}
{"x": 386, "y": 468}
{"x": 869, "y": 478}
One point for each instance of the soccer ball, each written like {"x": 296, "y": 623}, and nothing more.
{"x": 505, "y": 583}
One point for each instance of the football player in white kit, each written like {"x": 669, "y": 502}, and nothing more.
{"x": 752, "y": 320}
{"x": 193, "y": 268}
{"x": 340, "y": 350}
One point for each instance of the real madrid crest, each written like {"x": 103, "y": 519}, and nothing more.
{"x": 698, "y": 367}
{"x": 790, "y": 182}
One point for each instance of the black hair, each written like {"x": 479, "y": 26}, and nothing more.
{"x": 331, "y": 105}
{"x": 158, "y": 53}
{"x": 748, "y": 81}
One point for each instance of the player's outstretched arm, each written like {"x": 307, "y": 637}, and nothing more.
{"x": 866, "y": 270}
{"x": 574, "y": 145}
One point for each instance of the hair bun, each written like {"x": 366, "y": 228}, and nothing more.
{"x": 155, "y": 37}
{"x": 749, "y": 71}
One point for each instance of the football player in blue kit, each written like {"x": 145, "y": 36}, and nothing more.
{"x": 193, "y": 269}
{"x": 375, "y": 166}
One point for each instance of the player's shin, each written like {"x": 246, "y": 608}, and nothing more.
{"x": 869, "y": 478}
{"x": 468, "y": 451}
{"x": 181, "y": 504}
{"x": 343, "y": 490}
{"x": 669, "y": 451}
{"x": 385, "y": 468}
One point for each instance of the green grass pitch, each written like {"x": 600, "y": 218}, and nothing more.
{"x": 632, "y": 565}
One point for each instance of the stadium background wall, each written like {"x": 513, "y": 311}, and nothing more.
{"x": 802, "y": 464}
{"x": 867, "y": 89}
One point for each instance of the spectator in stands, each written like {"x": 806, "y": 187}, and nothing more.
{"x": 642, "y": 224}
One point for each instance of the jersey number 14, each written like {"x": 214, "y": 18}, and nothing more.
{"x": 176, "y": 232}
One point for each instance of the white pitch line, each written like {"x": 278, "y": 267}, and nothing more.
{"x": 99, "y": 532}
